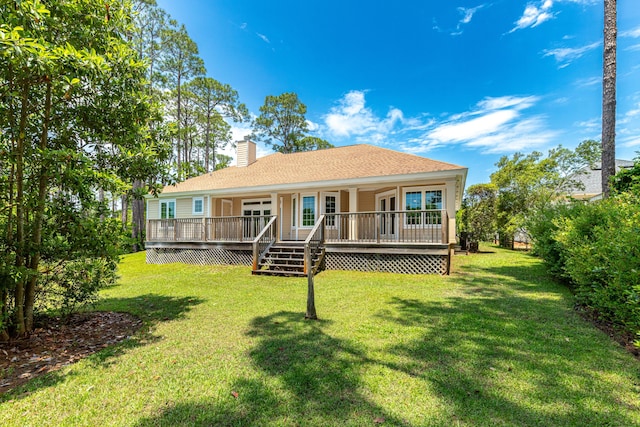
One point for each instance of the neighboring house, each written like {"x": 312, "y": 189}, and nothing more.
{"x": 591, "y": 179}
{"x": 358, "y": 207}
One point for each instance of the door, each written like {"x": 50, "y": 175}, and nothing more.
{"x": 387, "y": 208}
{"x": 256, "y": 215}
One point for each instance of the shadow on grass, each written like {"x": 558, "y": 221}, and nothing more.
{"x": 317, "y": 382}
{"x": 501, "y": 356}
{"x": 150, "y": 308}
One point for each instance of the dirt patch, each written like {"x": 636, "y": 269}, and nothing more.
{"x": 61, "y": 342}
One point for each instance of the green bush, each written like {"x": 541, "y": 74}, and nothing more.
{"x": 72, "y": 285}
{"x": 601, "y": 251}
{"x": 542, "y": 228}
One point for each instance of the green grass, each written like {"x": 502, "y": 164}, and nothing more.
{"x": 496, "y": 343}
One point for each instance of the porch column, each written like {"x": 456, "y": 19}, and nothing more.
{"x": 353, "y": 209}
{"x": 451, "y": 209}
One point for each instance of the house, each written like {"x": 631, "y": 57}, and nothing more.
{"x": 591, "y": 180}
{"x": 357, "y": 207}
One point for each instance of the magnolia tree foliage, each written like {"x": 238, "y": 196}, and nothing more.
{"x": 74, "y": 120}
{"x": 282, "y": 125}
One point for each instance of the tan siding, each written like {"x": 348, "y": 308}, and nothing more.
{"x": 184, "y": 208}
{"x": 344, "y": 201}
{"x": 153, "y": 209}
{"x": 366, "y": 201}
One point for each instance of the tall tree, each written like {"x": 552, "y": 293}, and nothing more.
{"x": 609, "y": 96}
{"x": 526, "y": 183}
{"x": 73, "y": 111}
{"x": 179, "y": 63}
{"x": 216, "y": 101}
{"x": 282, "y": 125}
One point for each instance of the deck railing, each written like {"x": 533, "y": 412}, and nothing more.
{"x": 225, "y": 229}
{"x": 263, "y": 241}
{"x": 423, "y": 226}
{"x": 313, "y": 243}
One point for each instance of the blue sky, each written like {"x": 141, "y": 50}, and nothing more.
{"x": 464, "y": 82}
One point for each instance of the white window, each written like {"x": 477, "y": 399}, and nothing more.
{"x": 308, "y": 211}
{"x": 198, "y": 206}
{"x": 429, "y": 200}
{"x": 167, "y": 209}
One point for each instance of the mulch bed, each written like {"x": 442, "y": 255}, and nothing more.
{"x": 61, "y": 342}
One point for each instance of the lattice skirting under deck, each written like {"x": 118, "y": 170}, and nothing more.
{"x": 390, "y": 263}
{"x": 211, "y": 256}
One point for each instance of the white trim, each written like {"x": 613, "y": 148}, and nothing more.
{"x": 422, "y": 190}
{"x": 193, "y": 206}
{"x": 315, "y": 210}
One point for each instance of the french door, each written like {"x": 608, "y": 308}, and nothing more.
{"x": 387, "y": 205}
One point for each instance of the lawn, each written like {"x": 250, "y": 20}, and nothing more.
{"x": 496, "y": 343}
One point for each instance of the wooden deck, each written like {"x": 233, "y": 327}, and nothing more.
{"x": 404, "y": 241}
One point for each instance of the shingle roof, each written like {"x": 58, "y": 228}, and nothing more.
{"x": 340, "y": 163}
{"x": 592, "y": 178}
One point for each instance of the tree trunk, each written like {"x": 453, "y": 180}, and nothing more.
{"x": 124, "y": 213}
{"x": 38, "y": 219}
{"x": 20, "y": 216}
{"x": 137, "y": 217}
{"x": 609, "y": 96}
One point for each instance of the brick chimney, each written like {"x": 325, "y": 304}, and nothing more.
{"x": 246, "y": 152}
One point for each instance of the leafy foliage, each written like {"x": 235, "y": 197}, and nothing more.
{"x": 75, "y": 123}
{"x": 594, "y": 247}
{"x": 477, "y": 216}
{"x": 529, "y": 183}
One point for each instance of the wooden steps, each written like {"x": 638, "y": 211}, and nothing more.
{"x": 283, "y": 259}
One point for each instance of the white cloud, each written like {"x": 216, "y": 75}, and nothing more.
{"x": 634, "y": 33}
{"x": 496, "y": 125}
{"x": 263, "y": 37}
{"x": 352, "y": 117}
{"x": 589, "y": 81}
{"x": 467, "y": 14}
{"x": 566, "y": 55}
{"x": 534, "y": 15}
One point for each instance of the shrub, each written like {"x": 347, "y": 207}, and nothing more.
{"x": 601, "y": 247}
{"x": 542, "y": 228}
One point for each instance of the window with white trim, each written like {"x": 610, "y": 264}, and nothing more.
{"x": 198, "y": 206}
{"x": 423, "y": 199}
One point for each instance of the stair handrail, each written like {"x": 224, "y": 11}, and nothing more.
{"x": 263, "y": 241}
{"x": 312, "y": 244}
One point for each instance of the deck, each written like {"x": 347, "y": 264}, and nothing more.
{"x": 399, "y": 241}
